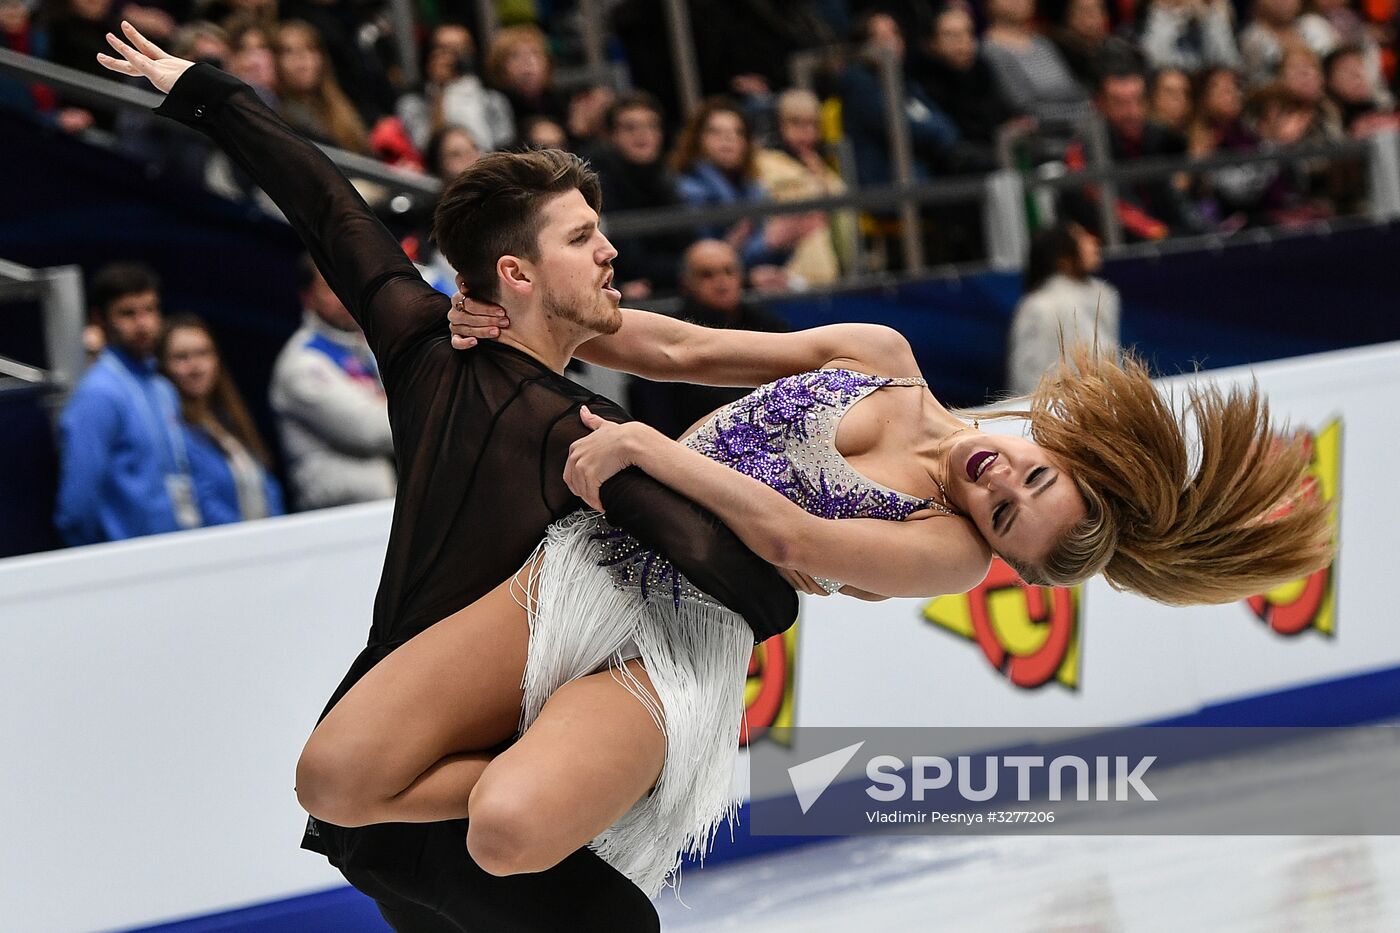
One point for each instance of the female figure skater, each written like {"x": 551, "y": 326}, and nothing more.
{"x": 1135, "y": 505}
{"x": 903, "y": 499}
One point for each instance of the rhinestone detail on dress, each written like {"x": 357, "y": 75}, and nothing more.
{"x": 784, "y": 435}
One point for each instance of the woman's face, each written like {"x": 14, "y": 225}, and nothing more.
{"x": 1171, "y": 99}
{"x": 527, "y": 70}
{"x": 1019, "y": 497}
{"x": 637, "y": 135}
{"x": 299, "y": 62}
{"x": 723, "y": 142}
{"x": 1301, "y": 74}
{"x": 253, "y": 61}
{"x": 191, "y": 362}
{"x": 458, "y": 153}
{"x": 1223, "y": 102}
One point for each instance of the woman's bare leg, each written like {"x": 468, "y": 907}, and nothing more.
{"x": 593, "y": 752}
{"x": 408, "y": 742}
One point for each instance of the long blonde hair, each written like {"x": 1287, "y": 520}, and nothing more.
{"x": 1237, "y": 522}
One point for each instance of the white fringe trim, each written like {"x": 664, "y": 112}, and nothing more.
{"x": 697, "y": 659}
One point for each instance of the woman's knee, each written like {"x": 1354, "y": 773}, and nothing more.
{"x": 504, "y": 834}
{"x": 332, "y": 785}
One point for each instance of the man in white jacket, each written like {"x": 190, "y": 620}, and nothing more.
{"x": 330, "y": 405}
{"x": 1062, "y": 300}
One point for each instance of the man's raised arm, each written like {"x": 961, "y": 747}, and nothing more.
{"x": 359, "y": 258}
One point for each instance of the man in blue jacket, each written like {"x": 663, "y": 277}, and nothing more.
{"x": 124, "y": 470}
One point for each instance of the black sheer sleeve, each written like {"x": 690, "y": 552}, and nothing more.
{"x": 360, "y": 259}
{"x": 691, "y": 537}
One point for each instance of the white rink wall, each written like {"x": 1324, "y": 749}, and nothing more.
{"x": 157, "y": 695}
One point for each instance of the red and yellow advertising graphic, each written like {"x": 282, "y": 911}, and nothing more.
{"x": 1029, "y": 633}
{"x": 768, "y": 693}
{"x": 1310, "y": 603}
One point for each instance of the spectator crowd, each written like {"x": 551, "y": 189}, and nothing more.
{"x": 984, "y": 85}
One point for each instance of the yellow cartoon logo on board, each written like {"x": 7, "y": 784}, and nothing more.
{"x": 1029, "y": 633}
{"x": 1310, "y": 603}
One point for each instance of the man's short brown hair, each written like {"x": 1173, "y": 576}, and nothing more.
{"x": 119, "y": 279}
{"x": 495, "y": 209}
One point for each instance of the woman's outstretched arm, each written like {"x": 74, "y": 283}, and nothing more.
{"x": 919, "y": 557}
{"x": 664, "y": 349}
{"x": 359, "y": 258}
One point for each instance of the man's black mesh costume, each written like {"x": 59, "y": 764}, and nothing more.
{"x": 481, "y": 439}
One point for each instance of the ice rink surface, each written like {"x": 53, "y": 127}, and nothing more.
{"x": 1084, "y": 884}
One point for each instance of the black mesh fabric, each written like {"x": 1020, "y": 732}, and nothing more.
{"x": 481, "y": 437}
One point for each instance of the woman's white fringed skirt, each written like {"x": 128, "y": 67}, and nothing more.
{"x": 582, "y": 621}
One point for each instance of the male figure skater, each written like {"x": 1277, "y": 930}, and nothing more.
{"x": 481, "y": 440}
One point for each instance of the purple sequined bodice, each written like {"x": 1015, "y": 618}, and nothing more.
{"x": 784, "y": 435}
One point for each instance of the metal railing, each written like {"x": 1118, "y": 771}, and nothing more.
{"x": 59, "y": 293}
{"x": 108, "y": 94}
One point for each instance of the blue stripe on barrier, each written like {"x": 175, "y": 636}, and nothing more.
{"x": 342, "y": 909}
{"x": 1345, "y": 701}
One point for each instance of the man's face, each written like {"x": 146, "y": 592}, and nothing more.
{"x": 450, "y": 47}
{"x": 636, "y": 135}
{"x": 1011, "y": 12}
{"x": 713, "y": 277}
{"x": 321, "y": 301}
{"x": 132, "y": 323}
{"x": 93, "y": 10}
{"x": 1087, "y": 18}
{"x": 1171, "y": 98}
{"x": 801, "y": 129}
{"x": 574, "y": 270}
{"x": 884, "y": 33}
{"x": 954, "y": 40}
{"x": 1123, "y": 102}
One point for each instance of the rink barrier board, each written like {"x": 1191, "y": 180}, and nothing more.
{"x": 1372, "y": 697}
